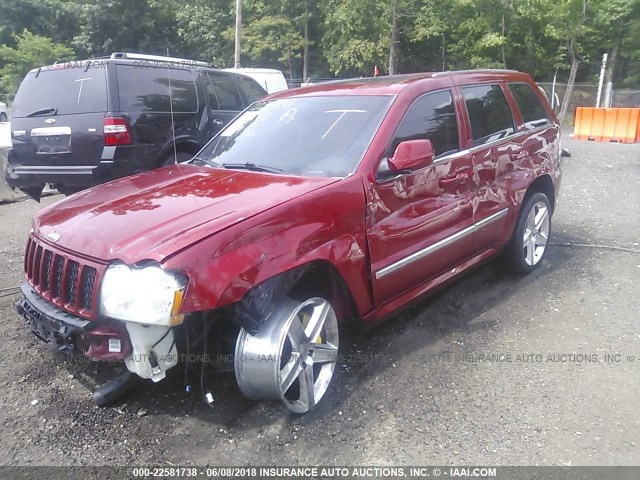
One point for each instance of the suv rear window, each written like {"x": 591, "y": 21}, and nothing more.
{"x": 147, "y": 89}
{"x": 533, "y": 113}
{"x": 489, "y": 113}
{"x": 69, "y": 90}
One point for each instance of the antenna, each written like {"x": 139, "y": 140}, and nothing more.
{"x": 173, "y": 125}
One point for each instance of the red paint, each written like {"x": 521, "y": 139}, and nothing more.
{"x": 230, "y": 230}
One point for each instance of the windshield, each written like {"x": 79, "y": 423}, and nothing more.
{"x": 63, "y": 91}
{"x": 309, "y": 136}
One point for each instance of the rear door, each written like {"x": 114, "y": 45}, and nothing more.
{"x": 58, "y": 115}
{"x": 494, "y": 151}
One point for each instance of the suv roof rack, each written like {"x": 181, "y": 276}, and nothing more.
{"x": 160, "y": 58}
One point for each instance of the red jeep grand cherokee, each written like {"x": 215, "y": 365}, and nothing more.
{"x": 317, "y": 205}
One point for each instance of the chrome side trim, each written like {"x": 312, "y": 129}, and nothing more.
{"x": 441, "y": 244}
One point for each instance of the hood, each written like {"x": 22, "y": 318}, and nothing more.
{"x": 154, "y": 214}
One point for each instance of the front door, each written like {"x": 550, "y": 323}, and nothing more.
{"x": 420, "y": 223}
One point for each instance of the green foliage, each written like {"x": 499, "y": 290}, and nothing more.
{"x": 345, "y": 37}
{"x": 31, "y": 51}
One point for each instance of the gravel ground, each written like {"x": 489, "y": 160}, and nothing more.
{"x": 427, "y": 387}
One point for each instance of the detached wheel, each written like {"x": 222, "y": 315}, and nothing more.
{"x": 529, "y": 242}
{"x": 293, "y": 356}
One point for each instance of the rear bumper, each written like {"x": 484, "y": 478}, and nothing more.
{"x": 115, "y": 162}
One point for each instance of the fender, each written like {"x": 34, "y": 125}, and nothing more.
{"x": 545, "y": 145}
{"x": 325, "y": 225}
{"x": 181, "y": 140}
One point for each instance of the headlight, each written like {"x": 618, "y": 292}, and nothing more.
{"x": 148, "y": 294}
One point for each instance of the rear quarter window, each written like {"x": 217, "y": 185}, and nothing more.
{"x": 70, "y": 90}
{"x": 489, "y": 113}
{"x": 531, "y": 108}
{"x": 147, "y": 89}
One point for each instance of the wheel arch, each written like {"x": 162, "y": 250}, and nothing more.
{"x": 182, "y": 144}
{"x": 542, "y": 184}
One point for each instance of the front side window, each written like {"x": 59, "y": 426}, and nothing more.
{"x": 431, "y": 117}
{"x": 308, "y": 136}
{"x": 533, "y": 113}
{"x": 489, "y": 113}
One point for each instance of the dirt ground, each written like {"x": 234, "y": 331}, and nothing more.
{"x": 496, "y": 369}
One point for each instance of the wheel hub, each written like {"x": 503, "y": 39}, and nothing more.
{"x": 536, "y": 233}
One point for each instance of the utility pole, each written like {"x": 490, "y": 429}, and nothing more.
{"x": 238, "y": 33}
{"x": 601, "y": 79}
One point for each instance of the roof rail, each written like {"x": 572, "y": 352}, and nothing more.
{"x": 157, "y": 58}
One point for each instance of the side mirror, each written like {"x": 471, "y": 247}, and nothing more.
{"x": 412, "y": 155}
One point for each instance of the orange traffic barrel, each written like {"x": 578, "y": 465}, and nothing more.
{"x": 620, "y": 125}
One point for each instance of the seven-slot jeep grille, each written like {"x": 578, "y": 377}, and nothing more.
{"x": 68, "y": 283}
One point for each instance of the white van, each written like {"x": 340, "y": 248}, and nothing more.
{"x": 271, "y": 80}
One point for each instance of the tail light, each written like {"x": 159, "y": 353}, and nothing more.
{"x": 116, "y": 132}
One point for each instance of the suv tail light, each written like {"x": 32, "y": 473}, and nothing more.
{"x": 116, "y": 132}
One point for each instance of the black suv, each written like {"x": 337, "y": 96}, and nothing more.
{"x": 81, "y": 123}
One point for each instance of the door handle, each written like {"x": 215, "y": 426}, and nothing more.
{"x": 454, "y": 179}
{"x": 217, "y": 122}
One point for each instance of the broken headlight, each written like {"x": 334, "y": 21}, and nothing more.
{"x": 147, "y": 294}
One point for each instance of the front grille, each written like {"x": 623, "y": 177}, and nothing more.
{"x": 66, "y": 282}
{"x": 87, "y": 282}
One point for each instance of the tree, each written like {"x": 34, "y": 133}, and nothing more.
{"x": 31, "y": 51}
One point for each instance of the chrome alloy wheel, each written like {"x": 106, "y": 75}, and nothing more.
{"x": 536, "y": 233}
{"x": 292, "y": 357}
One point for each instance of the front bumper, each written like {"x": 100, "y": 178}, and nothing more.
{"x": 148, "y": 351}
{"x": 49, "y": 323}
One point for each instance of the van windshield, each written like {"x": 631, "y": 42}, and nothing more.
{"x": 69, "y": 89}
{"x": 310, "y": 136}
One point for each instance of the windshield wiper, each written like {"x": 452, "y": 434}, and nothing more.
{"x": 44, "y": 111}
{"x": 253, "y": 167}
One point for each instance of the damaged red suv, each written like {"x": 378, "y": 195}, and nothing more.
{"x": 342, "y": 201}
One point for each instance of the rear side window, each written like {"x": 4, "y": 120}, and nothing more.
{"x": 147, "y": 89}
{"x": 69, "y": 90}
{"x": 250, "y": 89}
{"x": 489, "y": 113}
{"x": 533, "y": 113}
{"x": 432, "y": 117}
{"x": 226, "y": 92}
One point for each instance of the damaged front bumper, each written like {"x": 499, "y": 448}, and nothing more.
{"x": 148, "y": 351}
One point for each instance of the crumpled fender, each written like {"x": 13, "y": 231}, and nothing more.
{"x": 324, "y": 225}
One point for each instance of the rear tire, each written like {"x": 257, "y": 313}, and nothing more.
{"x": 528, "y": 245}
{"x": 3, "y": 117}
